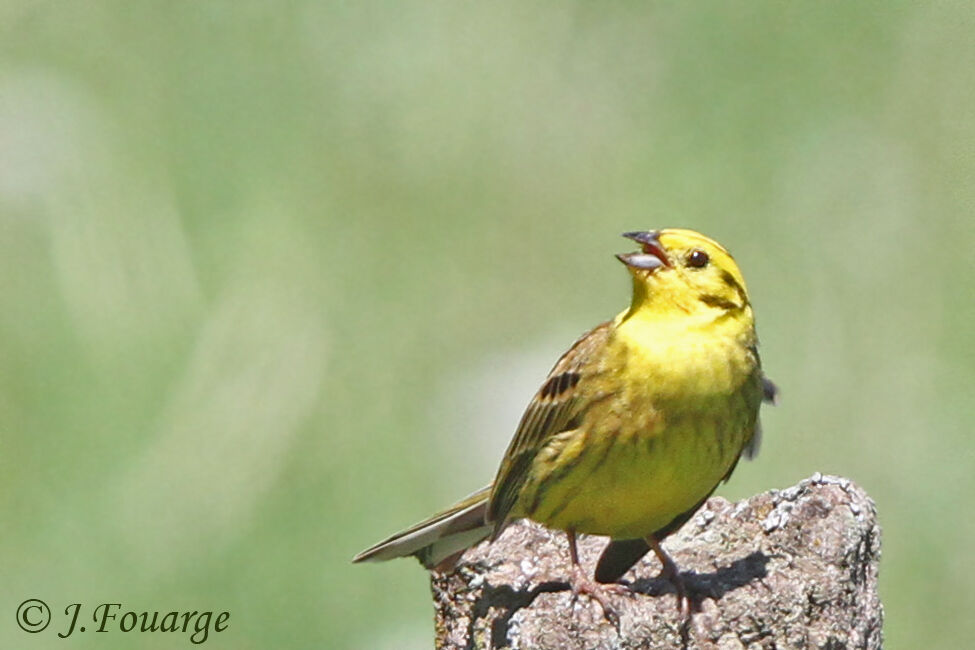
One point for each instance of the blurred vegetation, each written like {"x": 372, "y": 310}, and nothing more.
{"x": 278, "y": 278}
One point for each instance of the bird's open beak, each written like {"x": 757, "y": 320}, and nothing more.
{"x": 653, "y": 256}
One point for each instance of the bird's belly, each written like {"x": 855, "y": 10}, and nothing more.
{"x": 631, "y": 487}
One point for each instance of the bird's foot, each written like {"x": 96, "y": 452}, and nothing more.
{"x": 581, "y": 583}
{"x": 671, "y": 574}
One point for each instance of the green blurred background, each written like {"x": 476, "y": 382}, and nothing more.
{"x": 278, "y": 278}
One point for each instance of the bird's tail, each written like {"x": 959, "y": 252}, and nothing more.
{"x": 438, "y": 541}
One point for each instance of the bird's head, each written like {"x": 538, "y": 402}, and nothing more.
{"x": 682, "y": 271}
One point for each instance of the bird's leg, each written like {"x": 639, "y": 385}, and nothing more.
{"x": 581, "y": 583}
{"x": 671, "y": 573}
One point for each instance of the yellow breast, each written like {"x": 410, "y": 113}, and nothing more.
{"x": 660, "y": 431}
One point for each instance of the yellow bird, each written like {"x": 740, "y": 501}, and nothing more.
{"x": 635, "y": 426}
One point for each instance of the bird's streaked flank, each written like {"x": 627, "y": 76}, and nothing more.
{"x": 634, "y": 427}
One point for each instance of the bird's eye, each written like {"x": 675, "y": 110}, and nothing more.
{"x": 698, "y": 259}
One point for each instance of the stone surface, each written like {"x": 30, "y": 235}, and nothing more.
{"x": 793, "y": 568}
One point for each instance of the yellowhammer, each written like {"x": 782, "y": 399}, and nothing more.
{"x": 634, "y": 427}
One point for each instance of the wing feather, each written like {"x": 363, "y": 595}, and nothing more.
{"x": 457, "y": 527}
{"x": 552, "y": 410}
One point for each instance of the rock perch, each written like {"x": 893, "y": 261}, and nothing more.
{"x": 793, "y": 568}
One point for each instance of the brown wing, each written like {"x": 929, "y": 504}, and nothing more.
{"x": 554, "y": 409}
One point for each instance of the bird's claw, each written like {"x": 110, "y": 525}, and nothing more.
{"x": 580, "y": 583}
